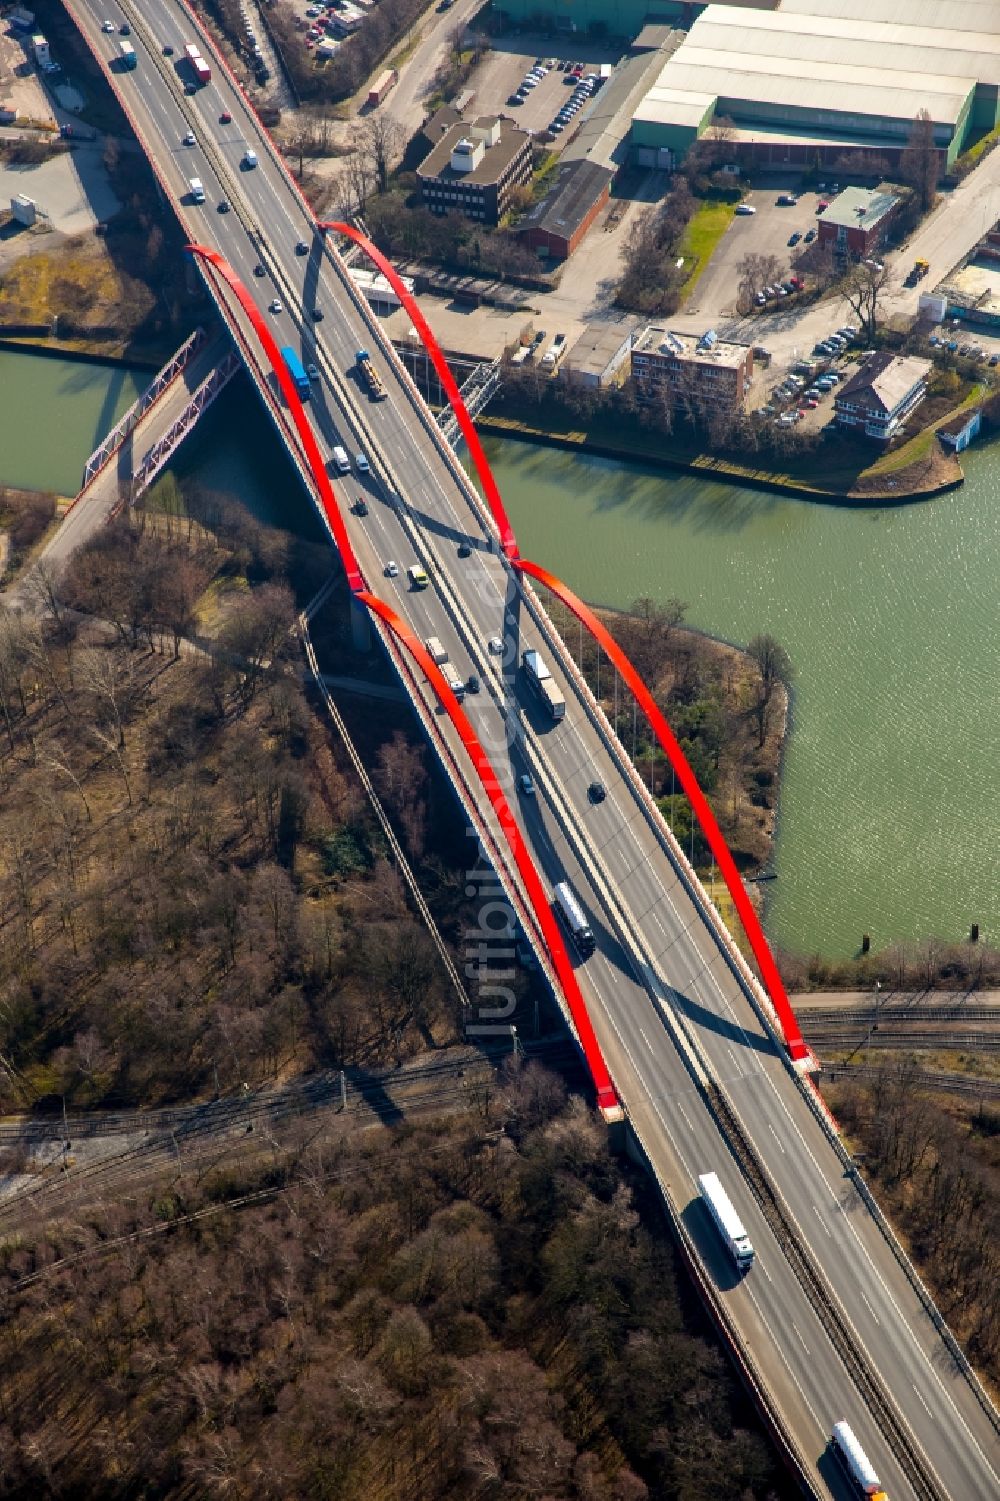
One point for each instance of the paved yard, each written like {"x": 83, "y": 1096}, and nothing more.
{"x": 71, "y": 189}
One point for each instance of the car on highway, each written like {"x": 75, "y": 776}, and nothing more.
{"x": 109, "y": 27}
{"x": 274, "y": 306}
{"x": 597, "y": 792}
{"x": 417, "y": 576}
{"x": 495, "y": 646}
{"x": 312, "y": 372}
{"x": 526, "y": 784}
{"x": 360, "y": 506}
{"x": 125, "y": 29}
{"x": 301, "y": 248}
{"x": 189, "y": 139}
{"x": 168, "y": 51}
{"x": 223, "y": 205}
{"x": 317, "y": 315}
{"x": 464, "y": 550}
{"x": 225, "y": 118}
{"x": 249, "y": 159}
{"x": 258, "y": 270}
{"x": 392, "y": 569}
{"x": 361, "y": 464}
{"x": 472, "y": 684}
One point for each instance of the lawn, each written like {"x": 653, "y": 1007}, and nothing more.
{"x": 701, "y": 237}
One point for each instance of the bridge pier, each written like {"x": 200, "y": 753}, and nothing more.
{"x": 361, "y": 629}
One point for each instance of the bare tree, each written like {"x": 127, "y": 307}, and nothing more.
{"x": 380, "y": 145}
{"x": 863, "y": 289}
{"x": 774, "y": 666}
{"x": 920, "y": 161}
{"x": 755, "y": 272}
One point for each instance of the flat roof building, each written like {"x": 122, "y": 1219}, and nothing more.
{"x": 600, "y": 356}
{"x": 473, "y": 169}
{"x": 696, "y": 374}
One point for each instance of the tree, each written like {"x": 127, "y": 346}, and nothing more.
{"x": 863, "y": 288}
{"x": 380, "y": 145}
{"x": 920, "y": 160}
{"x": 755, "y": 272}
{"x": 774, "y": 666}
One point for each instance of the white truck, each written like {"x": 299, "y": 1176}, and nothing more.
{"x": 554, "y": 353}
{"x": 436, "y": 651}
{"x": 726, "y": 1220}
{"x": 544, "y": 683}
{"x": 197, "y": 188}
{"x": 451, "y": 676}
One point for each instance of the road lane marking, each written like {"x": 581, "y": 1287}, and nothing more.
{"x": 920, "y": 1399}
{"x": 869, "y": 1307}
{"x": 777, "y": 1138}
{"x": 822, "y": 1221}
{"x": 798, "y": 1336}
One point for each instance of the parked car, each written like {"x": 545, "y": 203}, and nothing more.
{"x": 794, "y": 237}
{"x": 745, "y": 208}
{"x": 809, "y": 236}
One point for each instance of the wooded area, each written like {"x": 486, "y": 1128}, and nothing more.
{"x": 477, "y": 1308}
{"x": 936, "y": 1168}
{"x": 193, "y": 891}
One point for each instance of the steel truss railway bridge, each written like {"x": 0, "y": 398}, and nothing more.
{"x": 695, "y": 1061}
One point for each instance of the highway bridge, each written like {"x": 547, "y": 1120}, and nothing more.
{"x": 831, "y": 1322}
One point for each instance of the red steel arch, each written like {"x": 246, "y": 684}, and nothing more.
{"x": 697, "y": 799}
{"x": 490, "y": 489}
{"x": 607, "y": 1097}
{"x": 294, "y": 402}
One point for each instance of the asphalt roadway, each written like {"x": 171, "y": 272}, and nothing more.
{"x": 658, "y": 966}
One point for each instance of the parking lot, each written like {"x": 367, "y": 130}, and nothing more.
{"x": 503, "y": 72}
{"x": 765, "y": 232}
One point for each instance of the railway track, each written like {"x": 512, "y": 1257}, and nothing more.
{"x": 937, "y": 1079}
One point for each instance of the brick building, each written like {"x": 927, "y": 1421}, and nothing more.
{"x": 473, "y": 169}
{"x": 857, "y": 221}
{"x": 699, "y": 374}
{"x": 556, "y": 226}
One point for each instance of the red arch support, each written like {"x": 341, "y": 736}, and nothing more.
{"x": 607, "y": 1097}
{"x": 490, "y": 489}
{"x": 697, "y": 799}
{"x": 313, "y": 456}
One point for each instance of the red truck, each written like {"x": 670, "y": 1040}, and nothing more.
{"x": 199, "y": 67}
{"x": 383, "y": 83}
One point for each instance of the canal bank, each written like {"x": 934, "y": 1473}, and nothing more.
{"x": 887, "y": 819}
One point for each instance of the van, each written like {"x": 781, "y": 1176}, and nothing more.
{"x": 197, "y": 189}
{"x": 249, "y": 158}
{"x": 436, "y": 651}
{"x": 341, "y": 461}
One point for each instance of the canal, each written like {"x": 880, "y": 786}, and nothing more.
{"x": 888, "y": 818}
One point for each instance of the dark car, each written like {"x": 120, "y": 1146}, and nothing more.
{"x": 809, "y": 236}
{"x": 472, "y": 684}
{"x": 361, "y": 506}
{"x": 464, "y": 550}
{"x": 168, "y": 51}
{"x": 597, "y": 792}
{"x": 125, "y": 30}
{"x": 317, "y": 315}
{"x": 223, "y": 206}
{"x": 301, "y": 248}
{"x": 258, "y": 270}
{"x": 225, "y": 118}
{"x": 794, "y": 238}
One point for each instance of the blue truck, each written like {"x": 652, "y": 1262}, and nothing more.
{"x": 294, "y": 367}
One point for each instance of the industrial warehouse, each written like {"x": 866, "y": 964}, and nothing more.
{"x": 816, "y": 79}
{"x": 805, "y": 82}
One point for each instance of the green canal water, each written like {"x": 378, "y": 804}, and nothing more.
{"x": 889, "y": 815}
